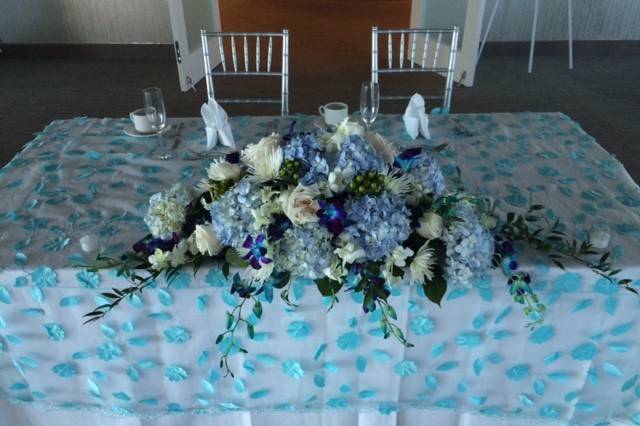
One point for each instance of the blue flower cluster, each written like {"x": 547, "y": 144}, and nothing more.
{"x": 427, "y": 174}
{"x": 358, "y": 155}
{"x": 231, "y": 215}
{"x": 305, "y": 251}
{"x": 378, "y": 224}
{"x": 306, "y": 148}
{"x": 469, "y": 246}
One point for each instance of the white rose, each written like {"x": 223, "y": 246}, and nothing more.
{"x": 399, "y": 254}
{"x": 299, "y": 205}
{"x": 221, "y": 169}
{"x": 264, "y": 158}
{"x": 431, "y": 226}
{"x": 335, "y": 272}
{"x": 159, "y": 260}
{"x": 205, "y": 241}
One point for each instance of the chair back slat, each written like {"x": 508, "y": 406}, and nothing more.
{"x": 425, "y": 50}
{"x": 246, "y": 69}
{"x": 234, "y": 54}
{"x": 257, "y": 53}
{"x": 269, "y": 54}
{"x": 413, "y": 49}
{"x": 437, "y": 53}
{"x": 245, "y": 46}
{"x": 432, "y": 60}
{"x": 390, "y": 51}
{"x": 221, "y": 49}
{"x": 401, "y": 58}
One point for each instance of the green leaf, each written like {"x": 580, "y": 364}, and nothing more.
{"x": 219, "y": 338}
{"x": 250, "y": 330}
{"x": 257, "y": 309}
{"x": 233, "y": 258}
{"x": 435, "y": 289}
{"x": 230, "y": 321}
{"x": 328, "y": 287}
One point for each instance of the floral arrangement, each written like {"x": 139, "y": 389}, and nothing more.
{"x": 348, "y": 212}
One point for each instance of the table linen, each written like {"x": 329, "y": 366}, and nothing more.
{"x": 155, "y": 355}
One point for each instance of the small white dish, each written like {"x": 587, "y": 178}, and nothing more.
{"x": 129, "y": 130}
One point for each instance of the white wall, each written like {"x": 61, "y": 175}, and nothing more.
{"x": 147, "y": 21}
{"x": 84, "y": 21}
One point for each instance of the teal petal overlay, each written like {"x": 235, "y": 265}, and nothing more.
{"x": 422, "y": 325}
{"x": 584, "y": 352}
{"x": 299, "y": 330}
{"x": 54, "y": 331}
{"x": 349, "y": 341}
{"x": 518, "y": 372}
{"x": 292, "y": 369}
{"x": 176, "y": 335}
{"x": 88, "y": 279}
{"x": 175, "y": 373}
{"x": 542, "y": 334}
{"x": 65, "y": 370}
{"x": 405, "y": 368}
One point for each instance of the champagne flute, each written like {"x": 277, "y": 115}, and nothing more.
{"x": 369, "y": 102}
{"x": 157, "y": 116}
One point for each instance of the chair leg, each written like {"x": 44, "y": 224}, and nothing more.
{"x": 533, "y": 34}
{"x": 570, "y": 30}
{"x": 486, "y": 32}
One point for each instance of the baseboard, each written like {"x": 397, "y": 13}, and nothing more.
{"x": 91, "y": 51}
{"x": 553, "y": 48}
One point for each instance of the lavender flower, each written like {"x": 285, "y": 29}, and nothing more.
{"x": 332, "y": 215}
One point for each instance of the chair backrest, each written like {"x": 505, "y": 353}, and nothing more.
{"x": 432, "y": 56}
{"x": 261, "y": 68}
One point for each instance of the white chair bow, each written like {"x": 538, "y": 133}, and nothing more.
{"x": 217, "y": 125}
{"x": 415, "y": 118}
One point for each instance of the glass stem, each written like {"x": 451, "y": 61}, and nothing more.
{"x": 160, "y": 140}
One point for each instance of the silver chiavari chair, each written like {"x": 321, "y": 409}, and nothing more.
{"x": 420, "y": 50}
{"x": 262, "y": 67}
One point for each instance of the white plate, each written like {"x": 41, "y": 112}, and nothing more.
{"x": 129, "y": 130}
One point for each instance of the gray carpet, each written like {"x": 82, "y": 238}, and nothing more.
{"x": 602, "y": 93}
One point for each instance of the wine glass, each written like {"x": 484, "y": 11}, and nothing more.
{"x": 157, "y": 116}
{"x": 369, "y": 102}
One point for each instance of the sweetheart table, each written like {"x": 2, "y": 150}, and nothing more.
{"x": 155, "y": 358}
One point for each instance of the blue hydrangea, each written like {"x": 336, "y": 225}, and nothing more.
{"x": 357, "y": 155}
{"x": 427, "y": 174}
{"x": 469, "y": 246}
{"x": 307, "y": 149}
{"x": 305, "y": 251}
{"x": 231, "y": 215}
{"x": 166, "y": 212}
{"x": 377, "y": 224}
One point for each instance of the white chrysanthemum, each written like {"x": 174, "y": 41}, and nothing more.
{"x": 300, "y": 204}
{"x": 399, "y": 184}
{"x": 221, "y": 169}
{"x": 160, "y": 260}
{"x": 383, "y": 147}
{"x": 431, "y": 226}
{"x": 397, "y": 258}
{"x": 264, "y": 158}
{"x": 420, "y": 268}
{"x": 177, "y": 256}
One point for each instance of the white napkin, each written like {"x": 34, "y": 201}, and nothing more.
{"x": 415, "y": 118}
{"x": 217, "y": 125}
